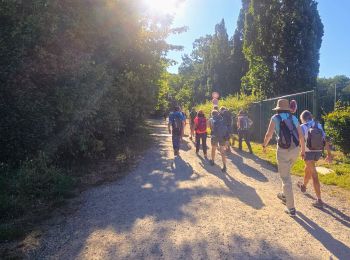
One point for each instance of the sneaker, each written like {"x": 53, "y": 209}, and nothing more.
{"x": 282, "y": 197}
{"x": 224, "y": 169}
{"x": 301, "y": 186}
{"x": 291, "y": 212}
{"x": 211, "y": 162}
{"x": 318, "y": 204}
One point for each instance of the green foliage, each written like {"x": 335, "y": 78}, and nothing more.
{"x": 35, "y": 182}
{"x": 233, "y": 103}
{"x": 281, "y": 43}
{"x": 337, "y": 125}
{"x": 74, "y": 79}
{"x": 326, "y": 92}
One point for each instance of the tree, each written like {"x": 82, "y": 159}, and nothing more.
{"x": 281, "y": 43}
{"x": 238, "y": 63}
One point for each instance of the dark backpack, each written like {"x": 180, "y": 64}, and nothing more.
{"x": 219, "y": 127}
{"x": 177, "y": 125}
{"x": 315, "y": 140}
{"x": 202, "y": 124}
{"x": 227, "y": 116}
{"x": 243, "y": 123}
{"x": 288, "y": 133}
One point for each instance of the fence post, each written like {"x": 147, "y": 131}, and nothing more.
{"x": 314, "y": 103}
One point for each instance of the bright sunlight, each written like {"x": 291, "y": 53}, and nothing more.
{"x": 165, "y": 6}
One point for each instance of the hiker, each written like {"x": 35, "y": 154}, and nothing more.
{"x": 193, "y": 115}
{"x": 200, "y": 126}
{"x": 293, "y": 105}
{"x": 218, "y": 132}
{"x": 175, "y": 126}
{"x": 185, "y": 123}
{"x": 243, "y": 125}
{"x": 289, "y": 138}
{"x": 315, "y": 140}
{"x": 227, "y": 117}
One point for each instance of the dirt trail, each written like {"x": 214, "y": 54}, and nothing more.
{"x": 184, "y": 208}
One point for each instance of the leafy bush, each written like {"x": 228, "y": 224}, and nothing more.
{"x": 233, "y": 103}
{"x": 34, "y": 184}
{"x": 337, "y": 125}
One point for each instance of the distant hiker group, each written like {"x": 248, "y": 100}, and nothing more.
{"x": 307, "y": 139}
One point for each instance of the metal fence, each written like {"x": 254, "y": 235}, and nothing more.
{"x": 261, "y": 111}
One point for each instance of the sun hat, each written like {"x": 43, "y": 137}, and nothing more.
{"x": 282, "y": 104}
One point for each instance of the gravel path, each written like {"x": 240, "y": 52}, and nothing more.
{"x": 183, "y": 208}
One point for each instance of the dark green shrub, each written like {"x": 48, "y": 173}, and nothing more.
{"x": 34, "y": 184}
{"x": 337, "y": 126}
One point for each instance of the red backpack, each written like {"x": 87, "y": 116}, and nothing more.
{"x": 202, "y": 124}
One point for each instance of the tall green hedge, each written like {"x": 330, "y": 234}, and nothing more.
{"x": 337, "y": 125}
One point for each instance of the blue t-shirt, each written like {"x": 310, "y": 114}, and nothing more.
{"x": 283, "y": 116}
{"x": 173, "y": 115}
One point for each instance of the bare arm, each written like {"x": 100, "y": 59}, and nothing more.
{"x": 329, "y": 153}
{"x": 269, "y": 133}
{"x": 302, "y": 142}
{"x": 169, "y": 127}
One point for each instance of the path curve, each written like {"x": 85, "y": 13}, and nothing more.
{"x": 183, "y": 208}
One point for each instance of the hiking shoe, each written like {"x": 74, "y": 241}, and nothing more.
{"x": 224, "y": 169}
{"x": 291, "y": 212}
{"x": 282, "y": 197}
{"x": 301, "y": 186}
{"x": 211, "y": 162}
{"x": 318, "y": 204}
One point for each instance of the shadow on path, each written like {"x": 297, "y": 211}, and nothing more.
{"x": 245, "y": 168}
{"x": 336, "y": 247}
{"x": 335, "y": 213}
{"x": 240, "y": 190}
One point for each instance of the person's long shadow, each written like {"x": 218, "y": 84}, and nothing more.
{"x": 262, "y": 162}
{"x": 185, "y": 145}
{"x": 336, "y": 247}
{"x": 240, "y": 190}
{"x": 246, "y": 169}
{"x": 335, "y": 213}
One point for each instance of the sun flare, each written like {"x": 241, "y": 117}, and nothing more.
{"x": 164, "y": 6}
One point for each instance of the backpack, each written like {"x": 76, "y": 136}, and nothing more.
{"x": 315, "y": 140}
{"x": 219, "y": 127}
{"x": 227, "y": 116}
{"x": 243, "y": 123}
{"x": 202, "y": 124}
{"x": 288, "y": 133}
{"x": 177, "y": 125}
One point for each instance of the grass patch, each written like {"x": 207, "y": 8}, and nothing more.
{"x": 340, "y": 165}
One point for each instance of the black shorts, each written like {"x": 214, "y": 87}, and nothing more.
{"x": 217, "y": 141}
{"x": 312, "y": 155}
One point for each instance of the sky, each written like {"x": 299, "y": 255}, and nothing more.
{"x": 202, "y": 15}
